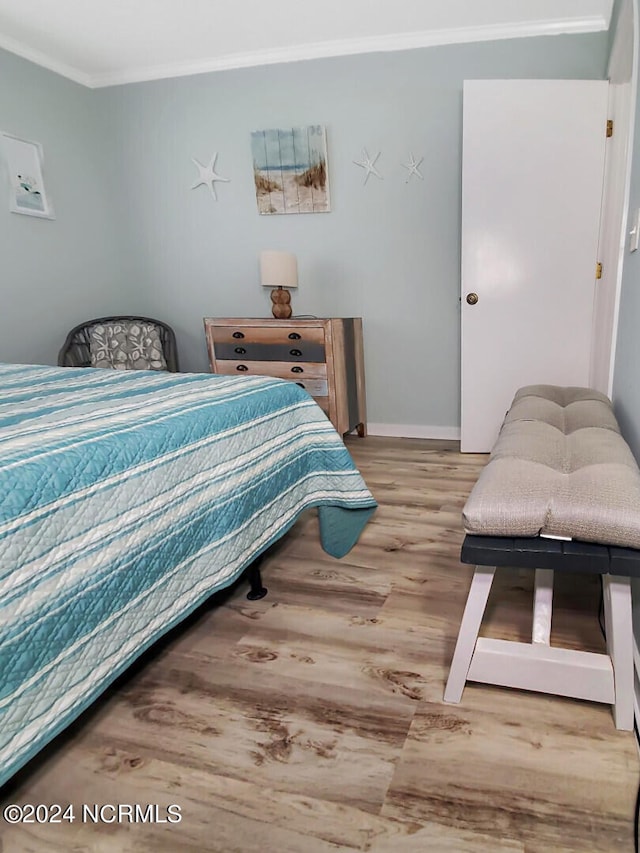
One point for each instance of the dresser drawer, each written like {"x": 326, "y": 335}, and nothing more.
{"x": 289, "y": 335}
{"x": 280, "y": 369}
{"x": 291, "y": 351}
{"x": 315, "y": 387}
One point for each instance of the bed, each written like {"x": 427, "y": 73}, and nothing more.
{"x": 126, "y": 499}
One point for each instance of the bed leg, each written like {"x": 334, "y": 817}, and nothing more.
{"x": 257, "y": 591}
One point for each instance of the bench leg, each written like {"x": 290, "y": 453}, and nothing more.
{"x": 618, "y": 621}
{"x": 542, "y": 606}
{"x": 468, "y": 633}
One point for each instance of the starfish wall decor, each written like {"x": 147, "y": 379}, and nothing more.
{"x": 413, "y": 167}
{"x": 369, "y": 165}
{"x": 208, "y": 175}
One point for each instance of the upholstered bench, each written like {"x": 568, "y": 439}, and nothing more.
{"x": 561, "y": 492}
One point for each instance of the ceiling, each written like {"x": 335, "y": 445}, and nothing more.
{"x": 107, "y": 42}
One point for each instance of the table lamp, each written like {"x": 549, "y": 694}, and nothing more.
{"x": 279, "y": 270}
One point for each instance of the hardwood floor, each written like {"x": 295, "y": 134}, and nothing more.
{"x": 313, "y": 720}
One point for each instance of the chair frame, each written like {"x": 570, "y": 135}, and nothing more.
{"x": 75, "y": 351}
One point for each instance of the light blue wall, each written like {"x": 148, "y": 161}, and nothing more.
{"x": 626, "y": 378}
{"x": 389, "y": 251}
{"x": 54, "y": 274}
{"x": 131, "y": 235}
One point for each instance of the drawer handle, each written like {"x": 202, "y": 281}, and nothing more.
{"x": 238, "y": 335}
{"x": 295, "y": 352}
{"x": 297, "y": 369}
{"x": 301, "y": 384}
{"x": 294, "y": 336}
{"x": 242, "y": 367}
{"x": 240, "y": 350}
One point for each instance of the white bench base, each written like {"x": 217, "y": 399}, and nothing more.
{"x": 537, "y": 665}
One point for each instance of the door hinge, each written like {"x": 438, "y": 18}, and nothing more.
{"x": 598, "y": 270}
{"x": 609, "y": 127}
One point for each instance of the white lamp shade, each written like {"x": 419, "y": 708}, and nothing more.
{"x": 278, "y": 269}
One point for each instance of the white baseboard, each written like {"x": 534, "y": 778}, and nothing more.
{"x": 415, "y": 431}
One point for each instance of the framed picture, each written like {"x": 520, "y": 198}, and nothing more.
{"x": 24, "y": 164}
{"x": 290, "y": 170}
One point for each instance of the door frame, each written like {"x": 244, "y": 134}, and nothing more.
{"x": 614, "y": 220}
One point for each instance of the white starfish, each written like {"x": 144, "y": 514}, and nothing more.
{"x": 369, "y": 164}
{"x": 412, "y": 166}
{"x": 208, "y": 175}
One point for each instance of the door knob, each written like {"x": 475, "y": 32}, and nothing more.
{"x": 472, "y": 298}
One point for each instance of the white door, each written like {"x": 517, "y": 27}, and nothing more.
{"x": 532, "y": 172}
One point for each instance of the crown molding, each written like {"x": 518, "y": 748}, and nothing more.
{"x": 45, "y": 61}
{"x": 317, "y": 50}
{"x": 350, "y": 47}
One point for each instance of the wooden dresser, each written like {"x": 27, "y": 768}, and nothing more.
{"x": 325, "y": 356}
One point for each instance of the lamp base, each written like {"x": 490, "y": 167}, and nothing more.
{"x": 280, "y": 303}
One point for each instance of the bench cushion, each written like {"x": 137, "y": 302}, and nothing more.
{"x": 560, "y": 467}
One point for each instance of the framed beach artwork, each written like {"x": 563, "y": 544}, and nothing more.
{"x": 24, "y": 164}
{"x": 290, "y": 170}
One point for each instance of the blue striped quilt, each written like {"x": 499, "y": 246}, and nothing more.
{"x": 126, "y": 499}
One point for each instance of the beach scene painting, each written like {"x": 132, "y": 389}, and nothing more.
{"x": 290, "y": 170}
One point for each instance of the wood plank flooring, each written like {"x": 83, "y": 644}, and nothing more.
{"x": 313, "y": 720}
